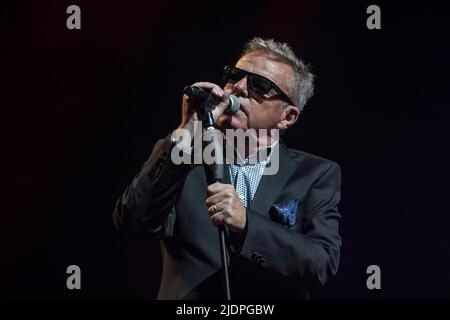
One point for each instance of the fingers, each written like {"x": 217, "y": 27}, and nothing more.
{"x": 211, "y": 87}
{"x": 220, "y": 109}
{"x": 215, "y": 199}
{"x": 191, "y": 112}
{"x": 218, "y": 93}
{"x": 220, "y": 193}
{"x": 220, "y": 206}
{"x": 218, "y": 219}
{"x": 219, "y": 202}
{"x": 214, "y": 209}
{"x": 217, "y": 187}
{"x": 224, "y": 207}
{"x": 221, "y": 218}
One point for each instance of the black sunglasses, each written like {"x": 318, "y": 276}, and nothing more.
{"x": 259, "y": 84}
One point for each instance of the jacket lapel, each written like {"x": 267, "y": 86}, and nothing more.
{"x": 271, "y": 185}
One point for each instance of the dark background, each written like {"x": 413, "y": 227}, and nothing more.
{"x": 81, "y": 110}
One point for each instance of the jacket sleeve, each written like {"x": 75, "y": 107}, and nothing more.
{"x": 147, "y": 205}
{"x": 310, "y": 253}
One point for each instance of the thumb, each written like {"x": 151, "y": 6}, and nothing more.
{"x": 222, "y": 106}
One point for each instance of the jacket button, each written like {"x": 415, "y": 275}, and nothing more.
{"x": 255, "y": 256}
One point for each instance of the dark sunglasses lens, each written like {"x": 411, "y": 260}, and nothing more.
{"x": 234, "y": 75}
{"x": 228, "y": 75}
{"x": 260, "y": 85}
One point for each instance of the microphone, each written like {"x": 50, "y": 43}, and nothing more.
{"x": 207, "y": 101}
{"x": 215, "y": 172}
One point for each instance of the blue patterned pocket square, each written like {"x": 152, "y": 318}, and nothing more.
{"x": 284, "y": 212}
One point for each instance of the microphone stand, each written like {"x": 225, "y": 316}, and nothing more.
{"x": 215, "y": 173}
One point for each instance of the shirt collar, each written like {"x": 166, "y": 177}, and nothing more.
{"x": 261, "y": 155}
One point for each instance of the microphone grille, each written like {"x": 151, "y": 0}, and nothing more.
{"x": 234, "y": 105}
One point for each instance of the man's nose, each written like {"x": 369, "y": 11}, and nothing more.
{"x": 240, "y": 88}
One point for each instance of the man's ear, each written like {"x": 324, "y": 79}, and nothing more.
{"x": 289, "y": 117}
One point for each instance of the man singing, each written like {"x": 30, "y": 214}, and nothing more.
{"x": 282, "y": 229}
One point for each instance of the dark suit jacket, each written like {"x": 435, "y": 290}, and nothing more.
{"x": 168, "y": 202}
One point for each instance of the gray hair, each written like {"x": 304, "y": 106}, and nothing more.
{"x": 301, "y": 88}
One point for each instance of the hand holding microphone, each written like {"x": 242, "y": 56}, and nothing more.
{"x": 208, "y": 101}
{"x": 207, "y": 96}
{"x": 213, "y": 104}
